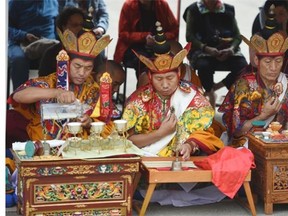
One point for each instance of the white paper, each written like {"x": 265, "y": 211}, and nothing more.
{"x": 20, "y": 146}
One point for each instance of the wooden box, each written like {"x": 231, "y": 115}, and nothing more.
{"x": 76, "y": 187}
{"x": 270, "y": 178}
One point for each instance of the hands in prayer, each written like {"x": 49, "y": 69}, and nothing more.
{"x": 271, "y": 107}
{"x": 169, "y": 124}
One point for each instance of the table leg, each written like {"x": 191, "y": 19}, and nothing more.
{"x": 249, "y": 198}
{"x": 268, "y": 208}
{"x": 147, "y": 198}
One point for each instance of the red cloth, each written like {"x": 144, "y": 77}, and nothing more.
{"x": 15, "y": 128}
{"x": 129, "y": 19}
{"x": 229, "y": 167}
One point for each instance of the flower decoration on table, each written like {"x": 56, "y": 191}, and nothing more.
{"x": 274, "y": 128}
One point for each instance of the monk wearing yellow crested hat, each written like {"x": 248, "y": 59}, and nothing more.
{"x": 167, "y": 116}
{"x": 167, "y": 112}
{"x": 71, "y": 83}
{"x": 260, "y": 95}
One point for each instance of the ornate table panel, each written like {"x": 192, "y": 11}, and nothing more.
{"x": 76, "y": 187}
{"x": 270, "y": 178}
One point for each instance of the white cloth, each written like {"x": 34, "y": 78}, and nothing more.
{"x": 179, "y": 107}
{"x": 20, "y": 146}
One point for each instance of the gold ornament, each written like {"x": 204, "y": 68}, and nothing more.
{"x": 86, "y": 45}
{"x": 164, "y": 63}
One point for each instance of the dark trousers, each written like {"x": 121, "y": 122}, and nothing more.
{"x": 207, "y": 66}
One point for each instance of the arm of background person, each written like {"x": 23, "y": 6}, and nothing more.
{"x": 190, "y": 31}
{"x": 237, "y": 37}
{"x": 101, "y": 18}
{"x": 126, "y": 31}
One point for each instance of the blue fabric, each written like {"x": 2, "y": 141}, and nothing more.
{"x": 29, "y": 16}
{"x": 137, "y": 195}
{"x": 10, "y": 200}
{"x": 9, "y": 154}
{"x": 18, "y": 65}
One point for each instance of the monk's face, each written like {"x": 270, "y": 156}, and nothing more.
{"x": 80, "y": 70}
{"x": 269, "y": 67}
{"x": 165, "y": 84}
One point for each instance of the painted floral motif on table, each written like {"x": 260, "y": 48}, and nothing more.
{"x": 100, "y": 212}
{"x": 79, "y": 191}
{"x": 109, "y": 168}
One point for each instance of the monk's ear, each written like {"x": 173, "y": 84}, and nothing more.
{"x": 149, "y": 76}
{"x": 256, "y": 60}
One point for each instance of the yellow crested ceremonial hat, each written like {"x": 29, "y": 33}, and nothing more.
{"x": 86, "y": 45}
{"x": 163, "y": 60}
{"x": 270, "y": 41}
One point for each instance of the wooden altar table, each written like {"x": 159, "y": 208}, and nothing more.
{"x": 155, "y": 177}
{"x": 76, "y": 186}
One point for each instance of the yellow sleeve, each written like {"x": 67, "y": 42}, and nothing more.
{"x": 208, "y": 139}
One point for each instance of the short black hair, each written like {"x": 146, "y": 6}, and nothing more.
{"x": 109, "y": 66}
{"x": 64, "y": 16}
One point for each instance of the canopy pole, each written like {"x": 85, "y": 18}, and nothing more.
{"x": 178, "y": 16}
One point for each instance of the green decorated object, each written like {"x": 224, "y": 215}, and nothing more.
{"x": 32, "y": 148}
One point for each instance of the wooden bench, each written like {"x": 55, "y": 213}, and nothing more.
{"x": 155, "y": 177}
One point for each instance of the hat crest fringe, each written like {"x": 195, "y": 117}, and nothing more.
{"x": 269, "y": 42}
{"x": 86, "y": 45}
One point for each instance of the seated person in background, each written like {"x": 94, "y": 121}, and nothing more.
{"x": 29, "y": 21}
{"x": 137, "y": 27}
{"x": 24, "y": 120}
{"x": 261, "y": 95}
{"x": 115, "y": 70}
{"x": 212, "y": 28}
{"x": 281, "y": 16}
{"x": 117, "y": 75}
{"x": 167, "y": 115}
{"x": 70, "y": 18}
{"x": 99, "y": 13}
